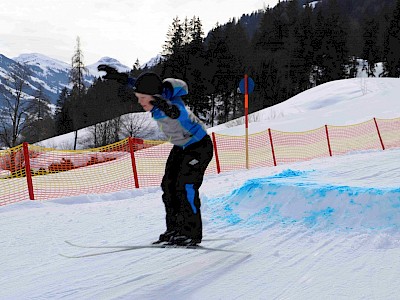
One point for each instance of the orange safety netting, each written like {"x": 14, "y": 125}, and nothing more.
{"x": 390, "y": 132}
{"x": 13, "y": 184}
{"x": 357, "y": 137}
{"x": 33, "y": 172}
{"x": 299, "y": 146}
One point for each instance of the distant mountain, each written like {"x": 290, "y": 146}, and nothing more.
{"x": 41, "y": 61}
{"x": 107, "y": 61}
{"x": 50, "y": 73}
{"x": 152, "y": 62}
{"x": 43, "y": 75}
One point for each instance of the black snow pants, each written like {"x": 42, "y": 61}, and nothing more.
{"x": 184, "y": 172}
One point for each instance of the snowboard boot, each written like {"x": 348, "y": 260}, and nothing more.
{"x": 165, "y": 237}
{"x": 183, "y": 240}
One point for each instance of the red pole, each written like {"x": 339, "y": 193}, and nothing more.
{"x": 379, "y": 134}
{"x": 216, "y": 153}
{"x": 327, "y": 137}
{"x": 246, "y": 113}
{"x": 133, "y": 160}
{"x": 28, "y": 174}
{"x": 272, "y": 145}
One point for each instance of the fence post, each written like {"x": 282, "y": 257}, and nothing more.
{"x": 272, "y": 145}
{"x": 131, "y": 141}
{"x": 246, "y": 115}
{"x": 379, "y": 134}
{"x": 216, "y": 153}
{"x": 28, "y": 174}
{"x": 327, "y": 138}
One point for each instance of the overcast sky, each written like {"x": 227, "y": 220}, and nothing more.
{"x": 122, "y": 29}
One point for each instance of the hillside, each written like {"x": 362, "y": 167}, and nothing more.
{"x": 322, "y": 229}
{"x": 324, "y": 104}
{"x": 51, "y": 74}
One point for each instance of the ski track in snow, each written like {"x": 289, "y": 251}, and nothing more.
{"x": 288, "y": 260}
{"x": 327, "y": 228}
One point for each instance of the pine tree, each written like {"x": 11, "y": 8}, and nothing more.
{"x": 392, "y": 45}
{"x": 63, "y": 121}
{"x": 269, "y": 35}
{"x": 196, "y": 33}
{"x": 175, "y": 38}
{"x": 291, "y": 62}
{"x": 223, "y": 79}
{"x": 78, "y": 90}
{"x": 40, "y": 123}
{"x": 302, "y": 52}
{"x": 370, "y": 49}
{"x": 136, "y": 66}
{"x": 195, "y": 74}
{"x": 330, "y": 44}
{"x": 238, "y": 45}
{"x": 213, "y": 53}
{"x": 174, "y": 60}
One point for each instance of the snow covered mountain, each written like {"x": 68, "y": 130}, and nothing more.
{"x": 42, "y": 62}
{"x": 152, "y": 62}
{"x": 107, "y": 61}
{"x": 50, "y": 73}
{"x": 51, "y": 80}
{"x": 47, "y": 72}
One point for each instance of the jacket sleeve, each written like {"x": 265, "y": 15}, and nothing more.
{"x": 170, "y": 110}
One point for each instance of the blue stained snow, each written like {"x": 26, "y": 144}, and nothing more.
{"x": 315, "y": 215}
{"x": 289, "y": 173}
{"x": 287, "y": 198}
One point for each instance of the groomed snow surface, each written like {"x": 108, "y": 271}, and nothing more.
{"x": 323, "y": 229}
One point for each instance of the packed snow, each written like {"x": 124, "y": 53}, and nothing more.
{"x": 327, "y": 228}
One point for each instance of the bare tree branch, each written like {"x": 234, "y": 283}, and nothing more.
{"x": 15, "y": 105}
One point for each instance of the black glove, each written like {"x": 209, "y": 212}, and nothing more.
{"x": 113, "y": 74}
{"x": 170, "y": 110}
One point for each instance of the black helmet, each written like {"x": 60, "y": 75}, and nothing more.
{"x": 148, "y": 83}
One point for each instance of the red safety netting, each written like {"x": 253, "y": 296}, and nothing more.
{"x": 37, "y": 173}
{"x": 58, "y": 173}
{"x": 357, "y": 137}
{"x": 299, "y": 146}
{"x": 230, "y": 152}
{"x": 13, "y": 183}
{"x": 390, "y": 132}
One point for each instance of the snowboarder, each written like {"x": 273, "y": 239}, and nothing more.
{"x": 188, "y": 159}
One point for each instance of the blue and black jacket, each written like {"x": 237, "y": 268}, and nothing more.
{"x": 178, "y": 123}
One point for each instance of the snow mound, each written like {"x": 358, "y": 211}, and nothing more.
{"x": 273, "y": 199}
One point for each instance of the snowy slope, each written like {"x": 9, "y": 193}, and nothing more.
{"x": 45, "y": 63}
{"x": 322, "y": 229}
{"x": 342, "y": 102}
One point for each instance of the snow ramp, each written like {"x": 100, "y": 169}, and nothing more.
{"x": 290, "y": 198}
